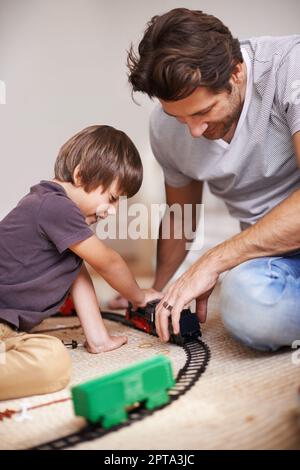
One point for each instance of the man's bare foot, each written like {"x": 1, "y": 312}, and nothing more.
{"x": 118, "y": 303}
{"x": 112, "y": 342}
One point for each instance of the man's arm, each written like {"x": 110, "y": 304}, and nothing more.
{"x": 171, "y": 252}
{"x": 276, "y": 233}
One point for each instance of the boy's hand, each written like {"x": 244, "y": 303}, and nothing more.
{"x": 111, "y": 343}
{"x": 118, "y": 303}
{"x": 149, "y": 295}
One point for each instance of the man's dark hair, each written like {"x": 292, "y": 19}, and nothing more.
{"x": 180, "y": 51}
{"x": 103, "y": 154}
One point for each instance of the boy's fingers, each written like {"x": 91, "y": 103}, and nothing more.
{"x": 159, "y": 295}
{"x": 118, "y": 303}
{"x": 125, "y": 339}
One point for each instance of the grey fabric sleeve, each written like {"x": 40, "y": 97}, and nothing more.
{"x": 61, "y": 221}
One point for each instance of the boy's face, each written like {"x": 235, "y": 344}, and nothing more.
{"x": 99, "y": 204}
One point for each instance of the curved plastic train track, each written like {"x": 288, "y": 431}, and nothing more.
{"x": 197, "y": 358}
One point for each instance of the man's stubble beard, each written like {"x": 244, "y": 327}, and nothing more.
{"x": 223, "y": 127}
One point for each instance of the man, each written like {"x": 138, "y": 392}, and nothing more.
{"x": 228, "y": 114}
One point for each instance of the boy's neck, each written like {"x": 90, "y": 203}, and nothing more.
{"x": 70, "y": 189}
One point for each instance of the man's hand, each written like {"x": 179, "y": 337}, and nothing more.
{"x": 275, "y": 233}
{"x": 196, "y": 283}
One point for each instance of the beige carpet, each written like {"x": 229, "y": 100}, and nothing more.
{"x": 245, "y": 399}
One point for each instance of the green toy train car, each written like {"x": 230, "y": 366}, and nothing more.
{"x": 104, "y": 400}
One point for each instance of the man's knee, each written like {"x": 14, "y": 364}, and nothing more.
{"x": 255, "y": 297}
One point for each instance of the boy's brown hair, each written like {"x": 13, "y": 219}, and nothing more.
{"x": 103, "y": 154}
{"x": 180, "y": 51}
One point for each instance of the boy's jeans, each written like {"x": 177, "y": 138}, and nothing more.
{"x": 260, "y": 302}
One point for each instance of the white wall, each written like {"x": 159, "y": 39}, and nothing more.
{"x": 63, "y": 62}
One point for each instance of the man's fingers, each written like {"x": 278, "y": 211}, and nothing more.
{"x": 201, "y": 309}
{"x": 164, "y": 322}
{"x": 176, "y": 312}
{"x": 158, "y": 321}
{"x": 162, "y": 318}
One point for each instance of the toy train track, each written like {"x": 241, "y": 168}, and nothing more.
{"x": 197, "y": 358}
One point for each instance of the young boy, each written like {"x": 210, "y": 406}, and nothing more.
{"x": 43, "y": 243}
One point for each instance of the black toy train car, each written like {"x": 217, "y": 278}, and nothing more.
{"x": 144, "y": 319}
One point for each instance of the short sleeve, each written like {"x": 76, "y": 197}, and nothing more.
{"x": 173, "y": 177}
{"x": 61, "y": 221}
{"x": 288, "y": 88}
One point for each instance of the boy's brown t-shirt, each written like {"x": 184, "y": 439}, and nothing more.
{"x": 37, "y": 268}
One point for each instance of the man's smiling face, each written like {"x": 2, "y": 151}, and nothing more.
{"x": 207, "y": 113}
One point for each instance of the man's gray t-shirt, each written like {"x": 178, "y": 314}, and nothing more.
{"x": 36, "y": 267}
{"x": 258, "y": 169}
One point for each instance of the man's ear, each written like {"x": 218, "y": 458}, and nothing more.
{"x": 76, "y": 176}
{"x": 238, "y": 73}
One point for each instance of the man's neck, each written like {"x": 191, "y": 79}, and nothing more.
{"x": 243, "y": 87}
{"x": 229, "y": 136}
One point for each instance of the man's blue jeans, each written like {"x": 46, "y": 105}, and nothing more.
{"x": 260, "y": 302}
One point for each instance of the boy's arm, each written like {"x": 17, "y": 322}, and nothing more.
{"x": 111, "y": 266}
{"x": 87, "y": 308}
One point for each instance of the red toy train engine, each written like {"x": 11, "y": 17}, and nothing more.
{"x": 144, "y": 319}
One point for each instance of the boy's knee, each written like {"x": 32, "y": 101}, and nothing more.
{"x": 251, "y": 305}
{"x": 35, "y": 364}
{"x": 53, "y": 369}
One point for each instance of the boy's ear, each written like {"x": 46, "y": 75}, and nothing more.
{"x": 76, "y": 176}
